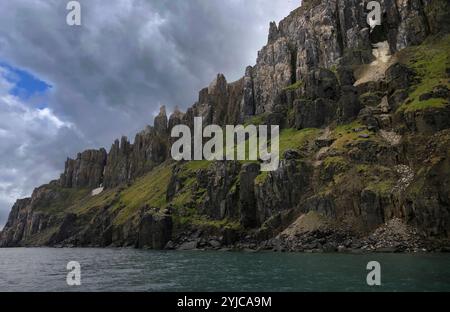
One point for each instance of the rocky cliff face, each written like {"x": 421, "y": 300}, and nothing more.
{"x": 84, "y": 171}
{"x": 365, "y": 149}
{"x": 127, "y": 161}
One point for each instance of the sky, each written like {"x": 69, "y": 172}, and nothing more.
{"x": 64, "y": 89}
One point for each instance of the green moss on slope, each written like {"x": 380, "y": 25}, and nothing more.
{"x": 58, "y": 199}
{"x": 296, "y": 139}
{"x": 430, "y": 60}
{"x": 345, "y": 134}
{"x": 295, "y": 86}
{"x": 149, "y": 190}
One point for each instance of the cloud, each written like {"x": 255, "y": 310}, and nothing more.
{"x": 111, "y": 74}
{"x": 31, "y": 142}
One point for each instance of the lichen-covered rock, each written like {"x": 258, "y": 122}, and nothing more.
{"x": 397, "y": 99}
{"x": 437, "y": 14}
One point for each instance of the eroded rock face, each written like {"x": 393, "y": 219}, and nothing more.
{"x": 428, "y": 121}
{"x": 398, "y": 77}
{"x": 155, "y": 231}
{"x": 175, "y": 119}
{"x": 247, "y": 198}
{"x": 222, "y": 194}
{"x": 13, "y": 231}
{"x": 117, "y": 166}
{"x": 248, "y": 100}
{"x": 349, "y": 104}
{"x": 425, "y": 204}
{"x": 282, "y": 189}
{"x": 313, "y": 114}
{"x": 161, "y": 122}
{"x": 273, "y": 71}
{"x": 332, "y": 33}
{"x": 221, "y": 103}
{"x": 27, "y": 217}
{"x": 322, "y": 83}
{"x": 127, "y": 161}
{"x": 413, "y": 26}
{"x": 65, "y": 230}
{"x": 84, "y": 171}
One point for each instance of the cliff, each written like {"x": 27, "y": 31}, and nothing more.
{"x": 365, "y": 146}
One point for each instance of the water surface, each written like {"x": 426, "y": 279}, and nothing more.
{"x": 44, "y": 269}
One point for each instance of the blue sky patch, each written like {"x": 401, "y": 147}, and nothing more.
{"x": 26, "y": 84}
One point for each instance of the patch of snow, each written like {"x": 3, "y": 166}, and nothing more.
{"x": 97, "y": 191}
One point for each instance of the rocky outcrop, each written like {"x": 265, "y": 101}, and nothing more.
{"x": 155, "y": 231}
{"x": 29, "y": 216}
{"x": 13, "y": 232}
{"x": 128, "y": 161}
{"x": 247, "y": 196}
{"x": 282, "y": 189}
{"x": 65, "y": 230}
{"x": 124, "y": 162}
{"x": 86, "y": 171}
{"x": 399, "y": 77}
{"x": 428, "y": 202}
{"x": 161, "y": 122}
{"x": 428, "y": 121}
{"x": 220, "y": 103}
{"x": 273, "y": 71}
{"x": 221, "y": 191}
{"x": 313, "y": 113}
{"x": 248, "y": 100}
{"x": 332, "y": 33}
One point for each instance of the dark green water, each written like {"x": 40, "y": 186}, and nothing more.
{"x": 44, "y": 269}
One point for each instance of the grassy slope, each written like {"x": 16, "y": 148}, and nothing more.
{"x": 430, "y": 61}
{"x": 150, "y": 190}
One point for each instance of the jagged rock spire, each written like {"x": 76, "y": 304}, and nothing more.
{"x": 161, "y": 121}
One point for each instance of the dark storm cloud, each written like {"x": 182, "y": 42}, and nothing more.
{"x": 110, "y": 75}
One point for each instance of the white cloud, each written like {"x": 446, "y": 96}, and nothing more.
{"x": 26, "y": 135}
